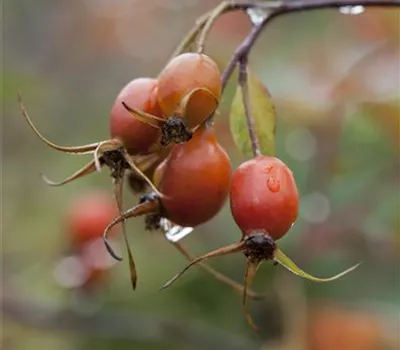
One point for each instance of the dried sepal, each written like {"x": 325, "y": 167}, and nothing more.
{"x": 149, "y": 119}
{"x": 85, "y": 170}
{"x": 104, "y": 152}
{"x": 118, "y": 194}
{"x": 219, "y": 276}
{"x": 143, "y": 208}
{"x": 135, "y": 168}
{"x": 230, "y": 249}
{"x": 84, "y": 149}
{"x": 200, "y": 95}
{"x": 102, "y": 148}
{"x": 250, "y": 272}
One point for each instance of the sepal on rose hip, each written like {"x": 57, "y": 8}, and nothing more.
{"x": 129, "y": 139}
{"x": 150, "y": 204}
{"x": 290, "y": 265}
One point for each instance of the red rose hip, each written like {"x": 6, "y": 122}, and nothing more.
{"x": 195, "y": 179}
{"x": 136, "y": 136}
{"x": 264, "y": 197}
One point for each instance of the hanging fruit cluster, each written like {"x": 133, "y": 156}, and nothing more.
{"x": 162, "y": 140}
{"x": 159, "y": 132}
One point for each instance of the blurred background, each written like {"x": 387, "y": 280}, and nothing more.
{"x": 335, "y": 81}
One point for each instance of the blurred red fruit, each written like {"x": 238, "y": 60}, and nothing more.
{"x": 334, "y": 328}
{"x": 88, "y": 215}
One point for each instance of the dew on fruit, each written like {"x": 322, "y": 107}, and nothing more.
{"x": 256, "y": 15}
{"x": 268, "y": 168}
{"x": 273, "y": 184}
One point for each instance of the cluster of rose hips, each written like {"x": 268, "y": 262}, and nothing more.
{"x": 151, "y": 122}
{"x": 163, "y": 136}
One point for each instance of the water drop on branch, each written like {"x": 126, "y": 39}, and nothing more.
{"x": 352, "y": 10}
{"x": 256, "y": 15}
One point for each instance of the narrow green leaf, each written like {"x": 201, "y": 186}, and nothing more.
{"x": 287, "y": 263}
{"x": 263, "y": 112}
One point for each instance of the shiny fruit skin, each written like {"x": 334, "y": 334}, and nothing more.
{"x": 195, "y": 179}
{"x": 264, "y": 197}
{"x": 88, "y": 216}
{"x": 136, "y": 136}
{"x": 181, "y": 76}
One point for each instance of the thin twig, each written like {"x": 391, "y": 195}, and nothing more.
{"x": 223, "y": 7}
{"x": 243, "y": 83}
{"x": 283, "y": 7}
{"x": 214, "y": 15}
{"x": 191, "y": 36}
{"x": 241, "y": 51}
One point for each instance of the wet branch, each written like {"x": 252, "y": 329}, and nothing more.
{"x": 274, "y": 10}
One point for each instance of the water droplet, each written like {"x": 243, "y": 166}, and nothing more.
{"x": 174, "y": 233}
{"x": 256, "y": 15}
{"x": 273, "y": 184}
{"x": 352, "y": 10}
{"x": 268, "y": 168}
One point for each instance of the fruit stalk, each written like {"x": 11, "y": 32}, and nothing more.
{"x": 255, "y": 144}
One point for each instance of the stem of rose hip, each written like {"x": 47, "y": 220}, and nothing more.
{"x": 213, "y": 16}
{"x": 243, "y": 82}
{"x": 205, "y": 19}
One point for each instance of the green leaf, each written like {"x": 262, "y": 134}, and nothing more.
{"x": 288, "y": 264}
{"x": 263, "y": 112}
